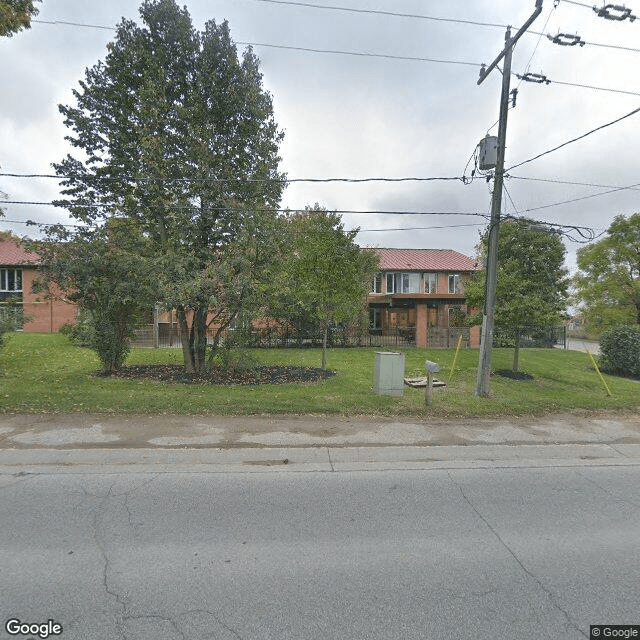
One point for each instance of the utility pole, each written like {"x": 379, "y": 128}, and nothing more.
{"x": 486, "y": 339}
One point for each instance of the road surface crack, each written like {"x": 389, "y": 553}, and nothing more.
{"x": 330, "y": 461}
{"x": 550, "y": 595}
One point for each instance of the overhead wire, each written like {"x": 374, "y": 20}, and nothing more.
{"x": 381, "y": 13}
{"x": 580, "y": 198}
{"x": 572, "y": 182}
{"x": 248, "y": 180}
{"x": 362, "y": 54}
{"x": 540, "y": 79}
{"x": 568, "y": 142}
{"x": 256, "y": 209}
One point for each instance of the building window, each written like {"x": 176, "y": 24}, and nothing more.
{"x": 454, "y": 283}
{"x": 11, "y": 280}
{"x": 403, "y": 283}
{"x": 376, "y": 286}
{"x": 375, "y": 318}
{"x": 430, "y": 282}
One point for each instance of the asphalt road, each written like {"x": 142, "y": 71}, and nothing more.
{"x": 492, "y": 553}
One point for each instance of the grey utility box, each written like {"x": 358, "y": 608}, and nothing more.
{"x": 389, "y": 374}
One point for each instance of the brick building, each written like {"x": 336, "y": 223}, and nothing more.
{"x": 18, "y": 269}
{"x": 419, "y": 295}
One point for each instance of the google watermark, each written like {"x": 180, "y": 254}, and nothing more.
{"x": 16, "y": 627}
{"x": 626, "y": 631}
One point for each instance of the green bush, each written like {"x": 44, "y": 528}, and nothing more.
{"x": 81, "y": 333}
{"x": 620, "y": 351}
{"x": 11, "y": 318}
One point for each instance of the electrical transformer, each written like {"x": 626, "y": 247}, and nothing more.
{"x": 488, "y": 153}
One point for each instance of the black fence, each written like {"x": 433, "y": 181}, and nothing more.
{"x": 547, "y": 337}
{"x": 437, "y": 337}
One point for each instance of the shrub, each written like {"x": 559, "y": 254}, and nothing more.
{"x": 11, "y": 318}
{"x": 620, "y": 351}
{"x": 80, "y": 333}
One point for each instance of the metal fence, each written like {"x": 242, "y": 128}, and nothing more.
{"x": 437, "y": 338}
{"x": 547, "y": 337}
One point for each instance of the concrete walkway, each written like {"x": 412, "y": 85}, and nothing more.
{"x": 255, "y": 443}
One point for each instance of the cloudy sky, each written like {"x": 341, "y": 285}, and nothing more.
{"x": 409, "y": 106}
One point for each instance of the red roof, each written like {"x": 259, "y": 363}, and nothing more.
{"x": 13, "y": 254}
{"x": 424, "y": 260}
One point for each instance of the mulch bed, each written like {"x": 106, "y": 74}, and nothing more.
{"x": 274, "y": 374}
{"x": 513, "y": 375}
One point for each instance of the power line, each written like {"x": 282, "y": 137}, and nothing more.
{"x": 580, "y": 4}
{"x": 573, "y": 182}
{"x": 262, "y": 44}
{"x": 260, "y": 209}
{"x": 542, "y": 79}
{"x": 564, "y": 144}
{"x": 250, "y": 180}
{"x": 75, "y": 24}
{"x": 538, "y": 43}
{"x": 447, "y": 226}
{"x": 382, "y": 13}
{"x": 587, "y": 234}
{"x": 593, "y": 195}
{"x": 584, "y": 42}
{"x": 360, "y": 54}
{"x": 588, "y": 86}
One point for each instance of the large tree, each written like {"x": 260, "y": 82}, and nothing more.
{"x": 16, "y": 15}
{"x": 323, "y": 276}
{"x": 179, "y": 135}
{"x": 608, "y": 281}
{"x": 532, "y": 281}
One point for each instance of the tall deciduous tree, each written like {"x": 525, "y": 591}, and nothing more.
{"x": 608, "y": 280}
{"x": 16, "y": 15}
{"x": 532, "y": 281}
{"x": 324, "y": 275}
{"x": 179, "y": 135}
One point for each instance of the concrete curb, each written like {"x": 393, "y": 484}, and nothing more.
{"x": 310, "y": 459}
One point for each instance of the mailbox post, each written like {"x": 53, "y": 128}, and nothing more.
{"x": 432, "y": 367}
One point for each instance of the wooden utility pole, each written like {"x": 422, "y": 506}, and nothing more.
{"x": 486, "y": 340}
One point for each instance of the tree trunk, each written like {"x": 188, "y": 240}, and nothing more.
{"x": 185, "y": 339}
{"x": 199, "y": 328}
{"x": 516, "y": 354}
{"x": 324, "y": 346}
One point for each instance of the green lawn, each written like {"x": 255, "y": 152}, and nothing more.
{"x": 46, "y": 373}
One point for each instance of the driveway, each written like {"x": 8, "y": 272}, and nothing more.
{"x": 574, "y": 344}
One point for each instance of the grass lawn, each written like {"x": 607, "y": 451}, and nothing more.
{"x": 46, "y": 373}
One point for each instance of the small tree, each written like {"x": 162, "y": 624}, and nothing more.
{"x": 532, "y": 281}
{"x": 109, "y": 274}
{"x": 16, "y": 15}
{"x": 324, "y": 275}
{"x": 608, "y": 281}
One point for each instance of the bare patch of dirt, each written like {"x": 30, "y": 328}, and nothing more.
{"x": 274, "y": 374}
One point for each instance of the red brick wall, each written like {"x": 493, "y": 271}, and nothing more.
{"x": 44, "y": 315}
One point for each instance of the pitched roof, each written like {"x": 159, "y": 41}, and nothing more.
{"x": 425, "y": 260}
{"x": 13, "y": 254}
